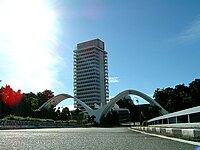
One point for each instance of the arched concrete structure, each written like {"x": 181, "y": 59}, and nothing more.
{"x": 59, "y": 98}
{"x": 134, "y": 92}
{"x": 102, "y": 111}
{"x": 106, "y": 108}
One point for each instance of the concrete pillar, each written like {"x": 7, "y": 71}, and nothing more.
{"x": 188, "y": 118}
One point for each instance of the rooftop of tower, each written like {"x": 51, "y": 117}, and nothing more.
{"x": 91, "y": 43}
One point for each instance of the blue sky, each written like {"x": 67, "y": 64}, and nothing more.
{"x": 150, "y": 44}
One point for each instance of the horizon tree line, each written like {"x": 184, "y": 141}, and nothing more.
{"x": 24, "y": 104}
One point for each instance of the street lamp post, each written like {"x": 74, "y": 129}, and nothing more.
{"x": 138, "y": 109}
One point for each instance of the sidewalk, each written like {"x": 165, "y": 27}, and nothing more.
{"x": 183, "y": 133}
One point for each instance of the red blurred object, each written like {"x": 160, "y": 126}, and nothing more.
{"x": 10, "y": 97}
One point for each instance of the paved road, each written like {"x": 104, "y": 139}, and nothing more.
{"x": 86, "y": 139}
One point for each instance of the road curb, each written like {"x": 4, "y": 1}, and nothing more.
{"x": 187, "y": 134}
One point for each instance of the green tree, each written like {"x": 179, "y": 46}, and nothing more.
{"x": 149, "y": 113}
{"x": 194, "y": 88}
{"x": 31, "y": 103}
{"x": 182, "y": 98}
{"x": 65, "y": 114}
{"x": 179, "y": 98}
{"x": 48, "y": 94}
{"x": 127, "y": 102}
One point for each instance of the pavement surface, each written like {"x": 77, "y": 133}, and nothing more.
{"x": 86, "y": 139}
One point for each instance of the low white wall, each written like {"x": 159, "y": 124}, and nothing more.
{"x": 188, "y": 134}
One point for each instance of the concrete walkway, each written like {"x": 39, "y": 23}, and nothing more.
{"x": 183, "y": 133}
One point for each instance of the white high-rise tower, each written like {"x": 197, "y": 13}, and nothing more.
{"x": 91, "y": 73}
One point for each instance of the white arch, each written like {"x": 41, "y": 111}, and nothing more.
{"x": 102, "y": 111}
{"x": 59, "y": 98}
{"x": 106, "y": 108}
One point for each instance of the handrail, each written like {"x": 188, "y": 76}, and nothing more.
{"x": 177, "y": 117}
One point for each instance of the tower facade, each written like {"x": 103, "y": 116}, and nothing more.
{"x": 91, "y": 73}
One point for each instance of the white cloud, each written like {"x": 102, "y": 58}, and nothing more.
{"x": 30, "y": 71}
{"x": 29, "y": 57}
{"x": 191, "y": 33}
{"x": 113, "y": 79}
